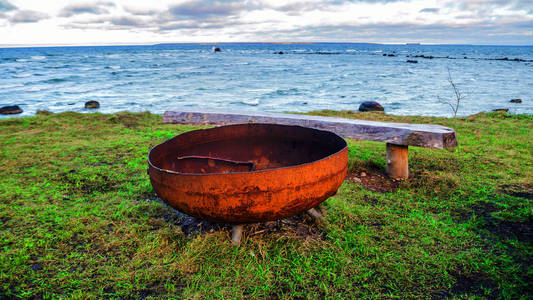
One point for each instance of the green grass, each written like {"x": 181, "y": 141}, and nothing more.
{"x": 78, "y": 219}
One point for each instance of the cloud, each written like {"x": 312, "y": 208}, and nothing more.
{"x": 429, "y": 10}
{"x": 97, "y": 8}
{"x": 207, "y": 9}
{"x": 128, "y": 21}
{"x": 141, "y": 11}
{"x": 6, "y": 6}
{"x": 27, "y": 16}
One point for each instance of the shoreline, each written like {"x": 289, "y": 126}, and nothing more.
{"x": 323, "y": 112}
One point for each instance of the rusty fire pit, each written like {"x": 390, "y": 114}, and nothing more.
{"x": 248, "y": 173}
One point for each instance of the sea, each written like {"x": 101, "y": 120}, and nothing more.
{"x": 408, "y": 79}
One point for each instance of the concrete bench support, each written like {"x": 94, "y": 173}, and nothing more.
{"x": 397, "y": 136}
{"x": 397, "y": 161}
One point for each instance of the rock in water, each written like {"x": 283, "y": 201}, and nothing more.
{"x": 501, "y": 110}
{"x": 10, "y": 110}
{"x": 412, "y": 61}
{"x": 516, "y": 101}
{"x": 217, "y": 49}
{"x": 92, "y": 104}
{"x": 370, "y": 106}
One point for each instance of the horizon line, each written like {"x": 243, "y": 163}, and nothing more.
{"x": 250, "y": 42}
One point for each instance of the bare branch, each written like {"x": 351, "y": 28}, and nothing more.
{"x": 454, "y": 105}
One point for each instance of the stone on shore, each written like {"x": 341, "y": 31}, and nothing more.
{"x": 516, "y": 101}
{"x": 371, "y": 106}
{"x": 501, "y": 110}
{"x": 92, "y": 104}
{"x": 10, "y": 110}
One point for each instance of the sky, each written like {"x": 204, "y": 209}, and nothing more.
{"x": 68, "y": 22}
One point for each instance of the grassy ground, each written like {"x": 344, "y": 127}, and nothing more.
{"x": 78, "y": 218}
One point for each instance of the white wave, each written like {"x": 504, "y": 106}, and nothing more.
{"x": 9, "y": 86}
{"x": 38, "y": 57}
{"x": 34, "y": 89}
{"x": 21, "y": 59}
{"x": 252, "y": 102}
{"x": 114, "y": 67}
{"x": 22, "y": 75}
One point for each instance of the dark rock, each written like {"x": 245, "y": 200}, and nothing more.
{"x": 384, "y": 54}
{"x": 501, "y": 109}
{"x": 391, "y": 54}
{"x": 516, "y": 101}
{"x": 280, "y": 52}
{"x": 10, "y": 110}
{"x": 217, "y": 49}
{"x": 370, "y": 106}
{"x": 92, "y": 104}
{"x": 412, "y": 61}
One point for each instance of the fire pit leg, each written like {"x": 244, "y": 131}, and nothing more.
{"x": 315, "y": 215}
{"x": 236, "y": 234}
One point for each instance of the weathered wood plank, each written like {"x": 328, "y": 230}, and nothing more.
{"x": 421, "y": 135}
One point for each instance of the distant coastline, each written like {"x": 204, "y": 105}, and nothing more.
{"x": 242, "y": 43}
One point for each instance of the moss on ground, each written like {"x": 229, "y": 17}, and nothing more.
{"x": 78, "y": 218}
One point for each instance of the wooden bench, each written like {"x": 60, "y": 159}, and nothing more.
{"x": 397, "y": 136}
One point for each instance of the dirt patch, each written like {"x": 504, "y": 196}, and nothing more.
{"x": 300, "y": 226}
{"x": 100, "y": 183}
{"x": 373, "y": 179}
{"x": 523, "y": 231}
{"x": 518, "y": 190}
{"x": 472, "y": 284}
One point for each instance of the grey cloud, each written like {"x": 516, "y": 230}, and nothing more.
{"x": 297, "y": 8}
{"x": 128, "y": 21}
{"x": 27, "y": 16}
{"x": 110, "y": 23}
{"x": 6, "y": 6}
{"x": 340, "y": 2}
{"x": 207, "y": 9}
{"x": 429, "y": 10}
{"x": 478, "y": 33}
{"x": 97, "y": 8}
{"x": 141, "y": 11}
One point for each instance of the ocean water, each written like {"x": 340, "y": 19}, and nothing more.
{"x": 255, "y": 77}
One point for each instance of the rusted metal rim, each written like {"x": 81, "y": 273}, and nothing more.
{"x": 345, "y": 145}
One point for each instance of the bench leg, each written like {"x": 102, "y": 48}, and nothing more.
{"x": 397, "y": 163}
